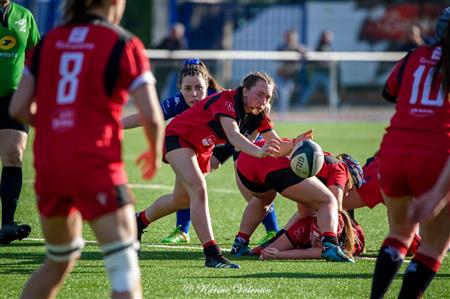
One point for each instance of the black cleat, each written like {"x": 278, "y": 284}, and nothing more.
{"x": 140, "y": 227}
{"x": 219, "y": 261}
{"x": 12, "y": 232}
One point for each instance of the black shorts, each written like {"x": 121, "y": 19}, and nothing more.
{"x": 6, "y": 122}
{"x": 281, "y": 179}
{"x": 253, "y": 187}
{"x": 223, "y": 152}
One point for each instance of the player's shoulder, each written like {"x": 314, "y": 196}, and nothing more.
{"x": 426, "y": 54}
{"x": 19, "y": 9}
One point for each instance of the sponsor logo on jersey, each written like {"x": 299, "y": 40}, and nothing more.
{"x": 101, "y": 198}
{"x": 22, "y": 24}
{"x": 208, "y": 141}
{"x": 78, "y": 35}
{"x": 7, "y": 42}
{"x": 63, "y": 120}
{"x": 229, "y": 106}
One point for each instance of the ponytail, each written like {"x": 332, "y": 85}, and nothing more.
{"x": 348, "y": 235}
{"x": 444, "y": 62}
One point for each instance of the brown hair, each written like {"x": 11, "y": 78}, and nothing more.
{"x": 444, "y": 62}
{"x": 350, "y": 182}
{"x": 74, "y": 11}
{"x": 251, "y": 79}
{"x": 198, "y": 68}
{"x": 348, "y": 235}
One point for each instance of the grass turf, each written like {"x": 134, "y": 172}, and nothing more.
{"x": 178, "y": 271}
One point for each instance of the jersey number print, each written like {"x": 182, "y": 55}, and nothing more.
{"x": 425, "y": 100}
{"x": 69, "y": 68}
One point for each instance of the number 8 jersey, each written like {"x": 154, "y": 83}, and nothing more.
{"x": 83, "y": 74}
{"x": 421, "y": 123}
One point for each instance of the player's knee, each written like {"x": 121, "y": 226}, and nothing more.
{"x": 64, "y": 253}
{"x": 12, "y": 158}
{"x": 121, "y": 264}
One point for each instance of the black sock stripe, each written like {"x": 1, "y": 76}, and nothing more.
{"x": 63, "y": 253}
{"x": 123, "y": 247}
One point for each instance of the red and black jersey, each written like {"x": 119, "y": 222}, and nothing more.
{"x": 257, "y": 170}
{"x": 83, "y": 75}
{"x": 421, "y": 123}
{"x": 333, "y": 172}
{"x": 305, "y": 232}
{"x": 200, "y": 124}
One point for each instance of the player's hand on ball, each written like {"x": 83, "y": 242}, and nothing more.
{"x": 304, "y": 136}
{"x": 271, "y": 148}
{"x": 148, "y": 163}
{"x": 286, "y": 145}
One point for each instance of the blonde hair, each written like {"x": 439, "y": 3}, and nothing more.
{"x": 348, "y": 235}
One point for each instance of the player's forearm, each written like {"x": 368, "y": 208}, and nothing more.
{"x": 301, "y": 254}
{"x": 131, "y": 121}
{"x": 244, "y": 145}
{"x": 151, "y": 117}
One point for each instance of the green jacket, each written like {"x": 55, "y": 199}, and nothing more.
{"x": 18, "y": 33}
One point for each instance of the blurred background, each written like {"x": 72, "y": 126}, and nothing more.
{"x": 322, "y": 54}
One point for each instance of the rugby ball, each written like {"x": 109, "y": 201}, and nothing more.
{"x": 306, "y": 159}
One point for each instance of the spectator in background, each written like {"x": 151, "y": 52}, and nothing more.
{"x": 175, "y": 40}
{"x": 320, "y": 77}
{"x": 167, "y": 73}
{"x": 18, "y": 33}
{"x": 413, "y": 39}
{"x": 288, "y": 71}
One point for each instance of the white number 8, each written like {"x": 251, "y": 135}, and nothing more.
{"x": 68, "y": 84}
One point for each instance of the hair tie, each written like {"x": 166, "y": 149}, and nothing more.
{"x": 192, "y": 61}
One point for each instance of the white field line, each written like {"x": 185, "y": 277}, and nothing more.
{"x": 89, "y": 242}
{"x": 160, "y": 187}
{"x": 143, "y": 245}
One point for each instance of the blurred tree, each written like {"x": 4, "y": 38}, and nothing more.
{"x": 138, "y": 20}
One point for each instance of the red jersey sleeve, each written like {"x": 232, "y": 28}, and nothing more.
{"x": 266, "y": 125}
{"x": 135, "y": 66}
{"x": 224, "y": 106}
{"x": 392, "y": 86}
{"x": 338, "y": 175}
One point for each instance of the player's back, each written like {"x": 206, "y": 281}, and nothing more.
{"x": 79, "y": 93}
{"x": 422, "y": 118}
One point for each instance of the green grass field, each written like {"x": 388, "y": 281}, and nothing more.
{"x": 178, "y": 271}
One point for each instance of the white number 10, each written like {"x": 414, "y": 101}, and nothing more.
{"x": 68, "y": 83}
{"x": 425, "y": 100}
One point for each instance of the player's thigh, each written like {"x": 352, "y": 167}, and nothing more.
{"x": 62, "y": 229}
{"x": 118, "y": 225}
{"x": 184, "y": 163}
{"x": 310, "y": 192}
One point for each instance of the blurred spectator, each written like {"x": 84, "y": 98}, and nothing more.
{"x": 167, "y": 71}
{"x": 320, "y": 77}
{"x": 413, "y": 39}
{"x": 288, "y": 71}
{"x": 175, "y": 40}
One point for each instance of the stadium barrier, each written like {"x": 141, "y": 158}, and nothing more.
{"x": 334, "y": 58}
